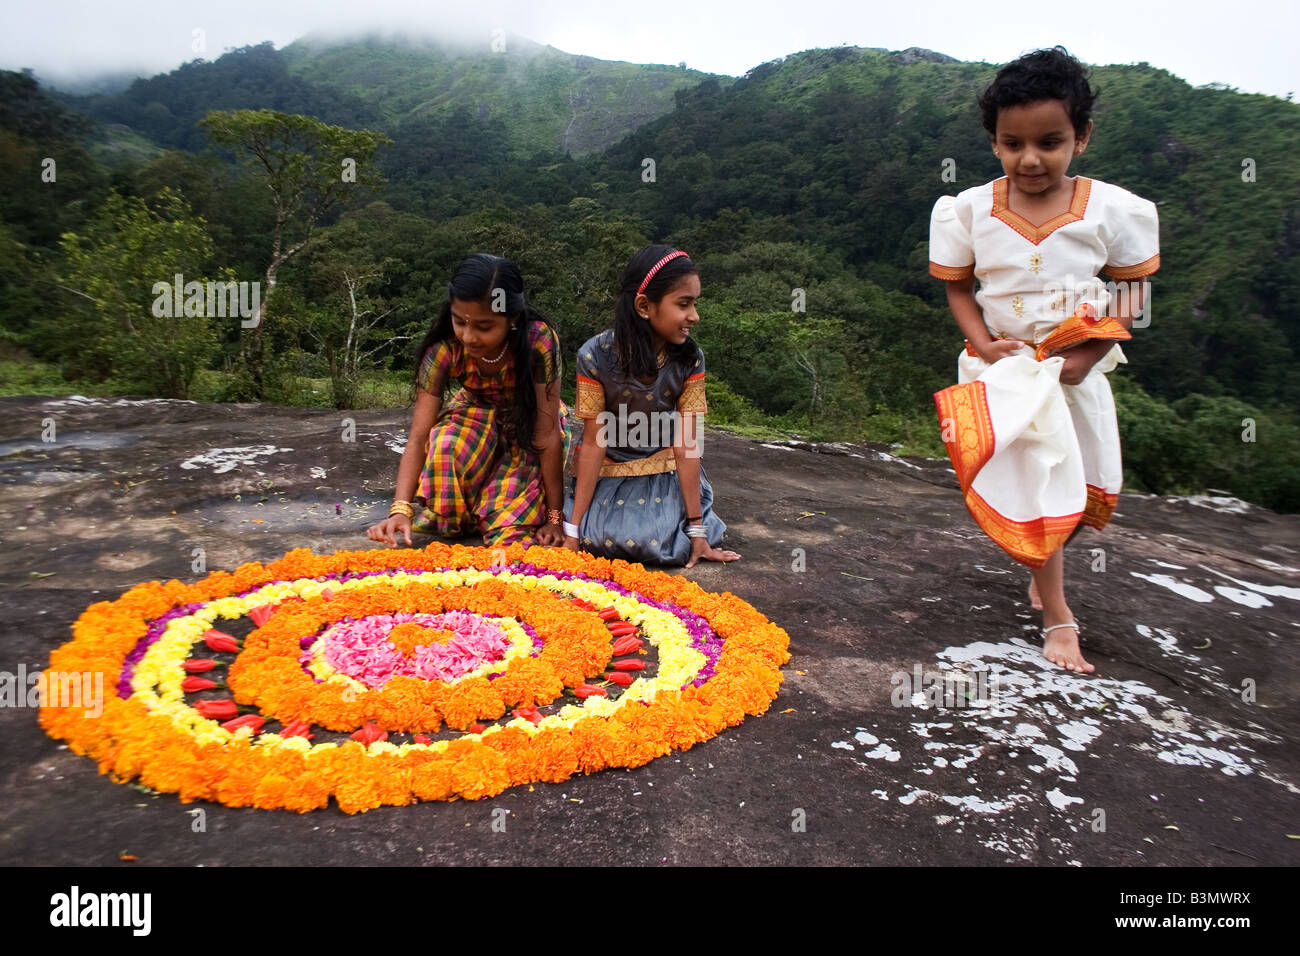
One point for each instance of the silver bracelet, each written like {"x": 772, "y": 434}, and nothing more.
{"x": 697, "y": 531}
{"x": 570, "y": 530}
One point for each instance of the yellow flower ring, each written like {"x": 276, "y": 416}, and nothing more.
{"x": 527, "y": 663}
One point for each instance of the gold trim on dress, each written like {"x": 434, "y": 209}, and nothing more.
{"x": 1099, "y": 508}
{"x": 659, "y": 463}
{"x": 1002, "y": 210}
{"x": 964, "y": 414}
{"x": 1029, "y": 542}
{"x": 591, "y": 398}
{"x": 1134, "y": 272}
{"x": 951, "y": 273}
{"x": 693, "y": 400}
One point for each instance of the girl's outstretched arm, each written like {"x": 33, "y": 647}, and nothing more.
{"x": 591, "y": 453}
{"x": 687, "y": 452}
{"x": 426, "y": 411}
{"x": 550, "y": 443}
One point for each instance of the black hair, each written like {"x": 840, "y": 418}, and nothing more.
{"x": 483, "y": 278}
{"x": 634, "y": 341}
{"x": 1042, "y": 75}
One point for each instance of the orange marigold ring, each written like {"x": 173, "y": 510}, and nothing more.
{"x": 683, "y": 664}
{"x": 268, "y": 674}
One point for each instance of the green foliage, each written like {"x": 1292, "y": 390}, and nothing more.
{"x": 1204, "y": 441}
{"x": 23, "y": 376}
{"x": 49, "y": 176}
{"x": 113, "y": 329}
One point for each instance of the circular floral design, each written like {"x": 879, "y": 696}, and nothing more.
{"x": 391, "y": 676}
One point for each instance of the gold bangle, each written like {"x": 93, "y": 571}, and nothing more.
{"x": 401, "y": 508}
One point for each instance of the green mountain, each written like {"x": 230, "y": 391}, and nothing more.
{"x": 547, "y": 99}
{"x": 533, "y": 98}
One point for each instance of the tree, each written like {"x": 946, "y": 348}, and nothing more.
{"x": 111, "y": 268}
{"x": 310, "y": 168}
{"x": 350, "y": 300}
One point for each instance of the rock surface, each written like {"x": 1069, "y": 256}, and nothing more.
{"x": 1179, "y": 751}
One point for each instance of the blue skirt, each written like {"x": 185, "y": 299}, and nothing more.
{"x": 642, "y": 518}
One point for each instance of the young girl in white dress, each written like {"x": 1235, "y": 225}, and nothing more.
{"x": 1031, "y": 426}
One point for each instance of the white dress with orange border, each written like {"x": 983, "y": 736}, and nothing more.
{"x": 1035, "y": 457}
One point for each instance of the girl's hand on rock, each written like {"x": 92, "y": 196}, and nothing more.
{"x": 386, "y": 531}
{"x": 549, "y": 535}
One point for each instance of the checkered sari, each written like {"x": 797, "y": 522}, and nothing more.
{"x": 475, "y": 478}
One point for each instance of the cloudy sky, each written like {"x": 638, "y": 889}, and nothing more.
{"x": 1248, "y": 45}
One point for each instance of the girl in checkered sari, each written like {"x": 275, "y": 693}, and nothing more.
{"x": 489, "y": 459}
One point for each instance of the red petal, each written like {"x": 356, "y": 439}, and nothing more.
{"x": 369, "y": 734}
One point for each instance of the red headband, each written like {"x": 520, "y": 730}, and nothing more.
{"x": 656, "y": 267}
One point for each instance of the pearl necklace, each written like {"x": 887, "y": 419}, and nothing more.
{"x": 492, "y": 361}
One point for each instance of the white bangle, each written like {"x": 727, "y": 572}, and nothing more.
{"x": 570, "y": 529}
{"x": 697, "y": 531}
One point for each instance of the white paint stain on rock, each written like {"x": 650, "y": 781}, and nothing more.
{"x": 1272, "y": 590}
{"x": 1061, "y": 800}
{"x": 1246, "y": 598}
{"x": 1077, "y": 734}
{"x": 1039, "y": 735}
{"x": 83, "y": 401}
{"x": 1191, "y": 755}
{"x": 1178, "y": 587}
{"x": 223, "y": 460}
{"x": 1220, "y": 503}
{"x": 884, "y": 752}
{"x": 977, "y": 804}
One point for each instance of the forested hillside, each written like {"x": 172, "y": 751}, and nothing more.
{"x": 803, "y": 189}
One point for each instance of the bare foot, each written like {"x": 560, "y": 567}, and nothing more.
{"x": 1034, "y": 600}
{"x": 1061, "y": 647}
